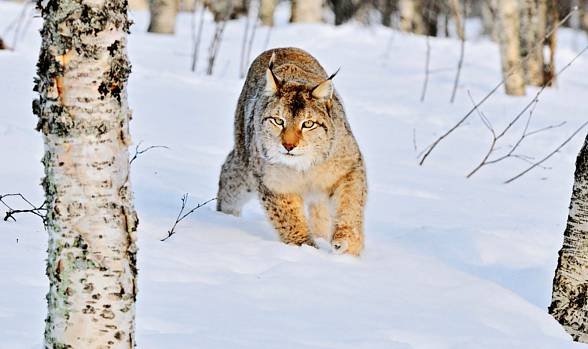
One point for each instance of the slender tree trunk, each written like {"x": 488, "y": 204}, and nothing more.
{"x": 533, "y": 31}
{"x": 552, "y": 21}
{"x": 163, "y": 16}
{"x": 344, "y": 10}
{"x": 490, "y": 18}
{"x": 584, "y": 15}
{"x": 510, "y": 47}
{"x": 83, "y": 117}
{"x": 307, "y": 11}
{"x": 388, "y": 7}
{"x": 458, "y": 16}
{"x": 569, "y": 300}
{"x": 266, "y": 12}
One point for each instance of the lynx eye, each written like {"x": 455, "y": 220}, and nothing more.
{"x": 309, "y": 124}
{"x": 277, "y": 121}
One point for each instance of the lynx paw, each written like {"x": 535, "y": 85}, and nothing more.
{"x": 345, "y": 240}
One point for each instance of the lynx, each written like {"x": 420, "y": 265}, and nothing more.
{"x": 294, "y": 148}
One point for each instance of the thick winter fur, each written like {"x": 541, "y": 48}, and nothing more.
{"x": 294, "y": 146}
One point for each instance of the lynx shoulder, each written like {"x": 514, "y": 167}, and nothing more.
{"x": 294, "y": 148}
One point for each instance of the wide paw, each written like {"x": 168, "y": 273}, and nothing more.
{"x": 346, "y": 241}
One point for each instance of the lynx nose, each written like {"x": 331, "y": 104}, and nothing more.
{"x": 288, "y": 146}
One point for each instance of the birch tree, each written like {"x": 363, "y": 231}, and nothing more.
{"x": 569, "y": 300}
{"x": 163, "y": 16}
{"x": 307, "y": 11}
{"x": 84, "y": 120}
{"x": 411, "y": 16}
{"x": 533, "y": 31}
{"x": 510, "y": 47}
{"x": 266, "y": 11}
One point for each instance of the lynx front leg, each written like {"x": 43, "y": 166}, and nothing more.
{"x": 234, "y": 187}
{"x": 319, "y": 219}
{"x": 349, "y": 198}
{"x": 286, "y": 213}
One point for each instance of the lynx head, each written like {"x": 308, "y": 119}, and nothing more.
{"x": 296, "y": 125}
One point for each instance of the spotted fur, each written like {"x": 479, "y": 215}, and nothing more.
{"x": 294, "y": 148}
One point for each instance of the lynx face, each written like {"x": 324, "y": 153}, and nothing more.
{"x": 296, "y": 129}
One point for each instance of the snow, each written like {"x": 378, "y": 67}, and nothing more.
{"x": 450, "y": 262}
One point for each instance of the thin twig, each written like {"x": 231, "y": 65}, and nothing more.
{"x": 144, "y": 150}
{"x": 267, "y": 37}
{"x": 427, "y": 66}
{"x": 530, "y": 105}
{"x": 182, "y": 215}
{"x": 429, "y": 149}
{"x": 244, "y": 44}
{"x": 197, "y": 38}
{"x": 461, "y": 50}
{"x": 37, "y": 210}
{"x": 252, "y": 37}
{"x": 538, "y": 163}
{"x": 215, "y": 44}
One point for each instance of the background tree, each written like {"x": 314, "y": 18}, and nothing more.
{"x": 533, "y": 31}
{"x": 163, "y": 16}
{"x": 569, "y": 300}
{"x": 266, "y": 11}
{"x": 307, "y": 11}
{"x": 419, "y": 16}
{"x": 84, "y": 119}
{"x": 510, "y": 46}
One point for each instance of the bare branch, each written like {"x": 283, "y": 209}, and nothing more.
{"x": 217, "y": 39}
{"x": 182, "y": 215}
{"x": 197, "y": 37}
{"x": 538, "y": 163}
{"x": 461, "y": 32}
{"x": 523, "y": 61}
{"x": 427, "y": 70}
{"x": 139, "y": 152}
{"x": 253, "y": 31}
{"x": 37, "y": 210}
{"x": 244, "y": 44}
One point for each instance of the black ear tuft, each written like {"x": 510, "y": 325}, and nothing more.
{"x": 334, "y": 74}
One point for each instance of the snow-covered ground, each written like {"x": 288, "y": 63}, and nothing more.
{"x": 450, "y": 262}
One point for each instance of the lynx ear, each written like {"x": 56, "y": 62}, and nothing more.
{"x": 324, "y": 90}
{"x": 272, "y": 83}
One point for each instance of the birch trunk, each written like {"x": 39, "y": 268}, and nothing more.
{"x": 163, "y": 16}
{"x": 569, "y": 300}
{"x": 489, "y": 18}
{"x": 510, "y": 47}
{"x": 584, "y": 15}
{"x": 411, "y": 16}
{"x": 307, "y": 11}
{"x": 83, "y": 117}
{"x": 533, "y": 31}
{"x": 266, "y": 12}
{"x": 458, "y": 16}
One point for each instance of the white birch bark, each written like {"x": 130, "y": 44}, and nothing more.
{"x": 83, "y": 116}
{"x": 510, "y": 47}
{"x": 163, "y": 16}
{"x": 533, "y": 31}
{"x": 266, "y": 12}
{"x": 307, "y": 11}
{"x": 569, "y": 301}
{"x": 411, "y": 16}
